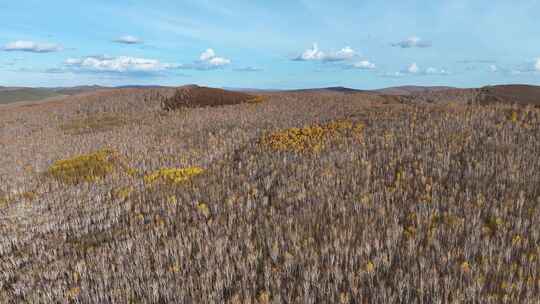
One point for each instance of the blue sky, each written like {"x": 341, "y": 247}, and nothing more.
{"x": 276, "y": 44}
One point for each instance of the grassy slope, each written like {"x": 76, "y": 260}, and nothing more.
{"x": 26, "y": 94}
{"x": 16, "y": 94}
{"x": 431, "y": 203}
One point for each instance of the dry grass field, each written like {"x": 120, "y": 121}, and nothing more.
{"x": 300, "y": 198}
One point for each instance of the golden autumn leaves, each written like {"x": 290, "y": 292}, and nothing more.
{"x": 311, "y": 138}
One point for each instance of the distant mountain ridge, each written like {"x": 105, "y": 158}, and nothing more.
{"x": 401, "y": 90}
{"x": 516, "y": 93}
{"x": 408, "y": 90}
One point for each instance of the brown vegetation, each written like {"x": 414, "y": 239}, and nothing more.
{"x": 94, "y": 123}
{"x": 196, "y": 96}
{"x": 421, "y": 203}
{"x": 489, "y": 95}
{"x": 518, "y": 94}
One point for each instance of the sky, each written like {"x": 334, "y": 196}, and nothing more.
{"x": 278, "y": 44}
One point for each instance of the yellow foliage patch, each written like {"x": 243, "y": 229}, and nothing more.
{"x": 73, "y": 293}
{"x": 513, "y": 117}
{"x": 311, "y": 138}
{"x": 256, "y": 99}
{"x": 133, "y": 172}
{"x": 83, "y": 168}
{"x": 29, "y": 195}
{"x": 174, "y": 268}
{"x": 172, "y": 175}
{"x": 465, "y": 267}
{"x": 4, "y": 201}
{"x": 517, "y": 240}
{"x": 264, "y": 297}
{"x": 123, "y": 193}
{"x": 370, "y": 267}
{"x": 172, "y": 200}
{"x": 203, "y": 209}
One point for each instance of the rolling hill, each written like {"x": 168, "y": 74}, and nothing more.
{"x": 515, "y": 94}
{"x": 10, "y": 94}
{"x": 107, "y": 198}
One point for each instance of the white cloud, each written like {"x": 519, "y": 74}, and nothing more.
{"x": 315, "y": 54}
{"x": 117, "y": 64}
{"x": 30, "y": 46}
{"x": 412, "y": 42}
{"x": 537, "y": 65}
{"x": 218, "y": 61}
{"x": 208, "y": 54}
{"x": 493, "y": 68}
{"x": 343, "y": 54}
{"x": 128, "y": 39}
{"x": 413, "y": 69}
{"x": 311, "y": 54}
{"x": 364, "y": 64}
{"x": 208, "y": 60}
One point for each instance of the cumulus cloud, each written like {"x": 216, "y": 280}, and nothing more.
{"x": 128, "y": 39}
{"x": 31, "y": 46}
{"x": 217, "y": 61}
{"x": 311, "y": 54}
{"x": 414, "y": 69}
{"x": 207, "y": 55}
{"x": 140, "y": 66}
{"x": 315, "y": 54}
{"x": 116, "y": 64}
{"x": 208, "y": 60}
{"x": 345, "y": 53}
{"x": 493, "y": 68}
{"x": 537, "y": 65}
{"x": 412, "y": 42}
{"x": 364, "y": 65}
